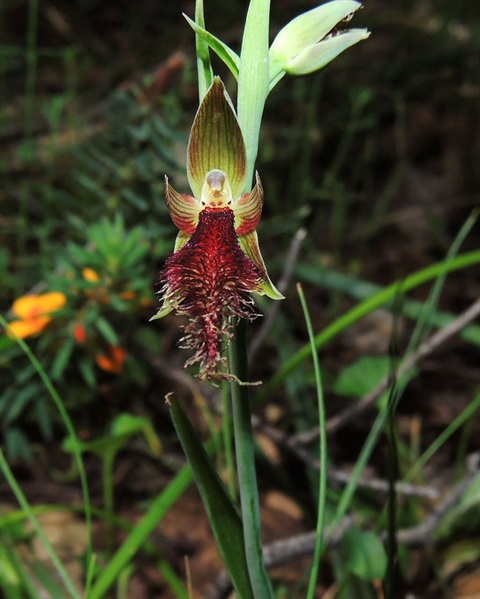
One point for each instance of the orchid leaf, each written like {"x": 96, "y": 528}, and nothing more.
{"x": 229, "y": 57}
{"x": 221, "y": 511}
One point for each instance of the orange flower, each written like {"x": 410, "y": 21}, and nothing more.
{"x": 113, "y": 360}
{"x": 33, "y": 310}
{"x": 98, "y": 291}
{"x": 90, "y": 275}
{"x": 146, "y": 302}
{"x": 127, "y": 295}
{"x": 79, "y": 333}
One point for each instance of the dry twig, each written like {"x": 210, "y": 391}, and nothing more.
{"x": 337, "y": 476}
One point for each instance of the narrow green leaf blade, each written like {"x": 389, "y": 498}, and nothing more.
{"x": 229, "y": 57}
{"x": 62, "y": 358}
{"x": 222, "y": 513}
{"x": 204, "y": 65}
{"x": 106, "y": 330}
{"x": 139, "y": 534}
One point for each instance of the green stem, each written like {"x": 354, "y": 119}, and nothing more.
{"x": 140, "y": 533}
{"x": 107, "y": 472}
{"x": 227, "y": 440}
{"x": 204, "y": 67}
{"x": 247, "y": 479}
{"x": 253, "y": 79}
{"x": 322, "y": 481}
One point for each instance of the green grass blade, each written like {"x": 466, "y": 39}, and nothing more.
{"x": 390, "y": 582}
{"x": 362, "y": 309}
{"x": 139, "y": 535}
{"x": 437, "y": 271}
{"x": 362, "y": 460}
{"x": 173, "y": 581}
{"x": 46, "y": 581}
{"x": 424, "y": 320}
{"x": 22, "y": 500}
{"x": 322, "y": 485}
{"x": 360, "y": 289}
{"x": 15, "y": 582}
{"x": 461, "y": 419}
{"x": 222, "y": 513}
{"x": 229, "y": 57}
{"x": 76, "y": 450}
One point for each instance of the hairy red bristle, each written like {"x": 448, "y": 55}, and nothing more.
{"x": 208, "y": 280}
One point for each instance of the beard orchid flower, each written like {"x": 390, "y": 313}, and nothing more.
{"x": 216, "y": 261}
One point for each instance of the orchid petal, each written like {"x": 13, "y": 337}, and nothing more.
{"x": 249, "y": 244}
{"x": 164, "y": 310}
{"x": 310, "y": 27}
{"x": 248, "y": 209}
{"x": 317, "y": 56}
{"x": 216, "y": 142}
{"x": 167, "y": 306}
{"x": 183, "y": 209}
{"x": 181, "y": 240}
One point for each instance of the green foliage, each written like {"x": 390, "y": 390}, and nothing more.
{"x": 363, "y": 554}
{"x": 362, "y": 376}
{"x": 107, "y": 282}
{"x": 96, "y": 227}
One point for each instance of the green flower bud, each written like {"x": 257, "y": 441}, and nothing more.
{"x": 307, "y": 43}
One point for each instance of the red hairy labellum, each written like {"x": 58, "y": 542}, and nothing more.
{"x": 208, "y": 280}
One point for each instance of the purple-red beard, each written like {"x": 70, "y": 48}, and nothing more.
{"x": 208, "y": 280}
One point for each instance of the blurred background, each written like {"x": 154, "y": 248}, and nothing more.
{"x": 376, "y": 158}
